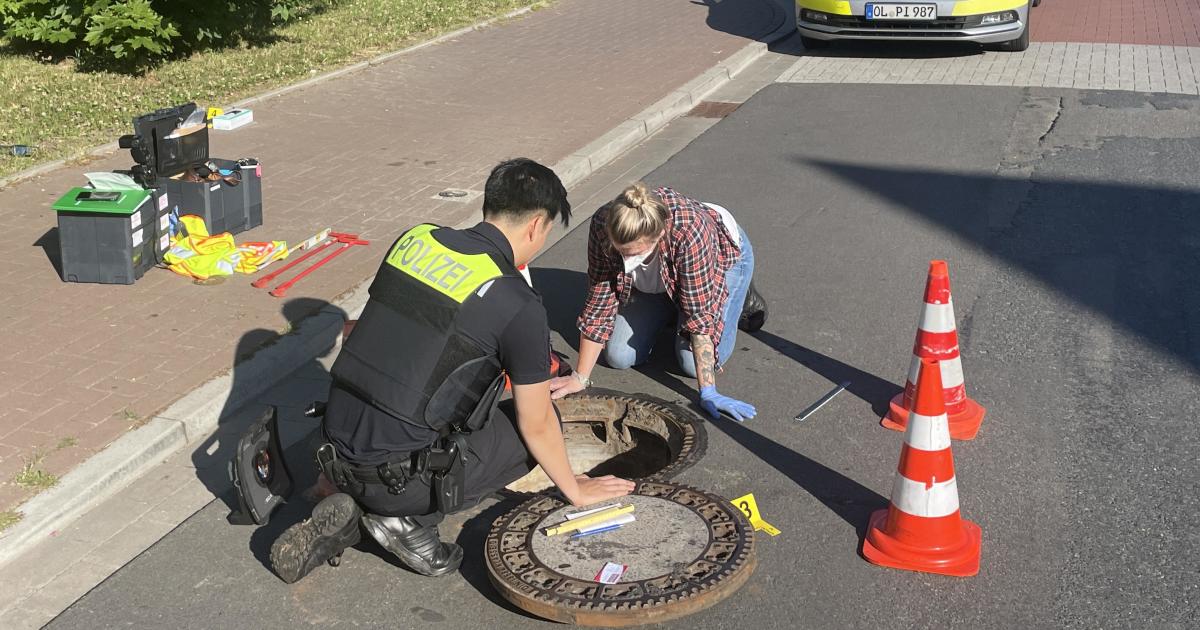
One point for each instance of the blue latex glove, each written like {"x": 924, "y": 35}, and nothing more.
{"x": 715, "y": 404}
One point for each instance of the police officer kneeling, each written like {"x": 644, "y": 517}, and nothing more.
{"x": 413, "y": 428}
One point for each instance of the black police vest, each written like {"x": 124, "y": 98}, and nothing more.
{"x": 407, "y": 356}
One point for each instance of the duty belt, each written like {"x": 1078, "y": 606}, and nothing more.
{"x": 394, "y": 474}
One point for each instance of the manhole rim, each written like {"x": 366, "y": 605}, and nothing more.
{"x": 693, "y": 420}
{"x": 686, "y": 417}
{"x": 622, "y": 614}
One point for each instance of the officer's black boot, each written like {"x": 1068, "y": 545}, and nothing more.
{"x": 417, "y": 546}
{"x": 322, "y": 538}
{"x": 754, "y": 311}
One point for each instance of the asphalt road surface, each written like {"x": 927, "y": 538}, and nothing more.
{"x": 1069, "y": 220}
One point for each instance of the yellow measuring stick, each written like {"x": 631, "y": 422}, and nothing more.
{"x": 587, "y": 521}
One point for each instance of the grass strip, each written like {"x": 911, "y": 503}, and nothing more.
{"x": 64, "y": 112}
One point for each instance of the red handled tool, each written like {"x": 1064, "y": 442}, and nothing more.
{"x": 319, "y": 237}
{"x": 347, "y": 241}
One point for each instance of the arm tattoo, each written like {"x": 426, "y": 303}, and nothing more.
{"x": 706, "y": 360}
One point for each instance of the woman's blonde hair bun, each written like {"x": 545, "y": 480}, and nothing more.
{"x": 636, "y": 213}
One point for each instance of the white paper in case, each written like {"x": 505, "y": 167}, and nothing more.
{"x": 611, "y": 573}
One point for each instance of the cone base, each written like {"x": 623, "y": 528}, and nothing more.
{"x": 885, "y": 551}
{"x": 964, "y": 425}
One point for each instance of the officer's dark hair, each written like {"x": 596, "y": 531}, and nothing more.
{"x": 520, "y": 186}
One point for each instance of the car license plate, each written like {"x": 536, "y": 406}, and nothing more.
{"x": 885, "y": 11}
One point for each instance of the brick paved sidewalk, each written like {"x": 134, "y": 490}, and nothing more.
{"x": 1170, "y": 69}
{"x": 361, "y": 153}
{"x": 1152, "y": 22}
{"x": 1145, "y": 46}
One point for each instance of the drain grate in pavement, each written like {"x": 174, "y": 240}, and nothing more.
{"x": 713, "y": 109}
{"x": 459, "y": 195}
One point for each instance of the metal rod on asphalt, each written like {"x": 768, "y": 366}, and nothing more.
{"x": 820, "y": 403}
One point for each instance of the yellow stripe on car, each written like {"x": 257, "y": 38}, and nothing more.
{"x": 977, "y": 7}
{"x": 963, "y": 7}
{"x": 836, "y": 7}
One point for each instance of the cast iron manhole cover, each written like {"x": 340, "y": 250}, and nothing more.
{"x": 687, "y": 550}
{"x": 631, "y": 436}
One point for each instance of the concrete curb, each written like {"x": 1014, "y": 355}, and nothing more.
{"x": 197, "y": 414}
{"x": 577, "y": 166}
{"x": 105, "y": 150}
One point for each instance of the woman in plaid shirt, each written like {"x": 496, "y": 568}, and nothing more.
{"x": 657, "y": 257}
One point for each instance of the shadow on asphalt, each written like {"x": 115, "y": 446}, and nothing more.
{"x": 1075, "y": 237}
{"x": 847, "y": 498}
{"x": 751, "y": 19}
{"x": 472, "y": 538}
{"x": 563, "y": 292}
{"x": 871, "y": 389}
{"x": 212, "y": 456}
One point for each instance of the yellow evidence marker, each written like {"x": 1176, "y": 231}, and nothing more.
{"x": 749, "y": 507}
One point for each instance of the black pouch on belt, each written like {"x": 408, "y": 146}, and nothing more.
{"x": 337, "y": 471}
{"x": 449, "y": 472}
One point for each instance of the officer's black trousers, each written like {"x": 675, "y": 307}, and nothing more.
{"x": 496, "y": 457}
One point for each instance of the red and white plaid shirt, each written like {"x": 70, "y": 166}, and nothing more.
{"x": 696, "y": 252}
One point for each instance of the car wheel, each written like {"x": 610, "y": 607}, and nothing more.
{"x": 811, "y": 43}
{"x": 1019, "y": 44}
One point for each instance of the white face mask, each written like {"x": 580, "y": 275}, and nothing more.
{"x": 632, "y": 262}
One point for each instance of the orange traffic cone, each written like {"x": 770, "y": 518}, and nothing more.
{"x": 922, "y": 530}
{"x": 937, "y": 338}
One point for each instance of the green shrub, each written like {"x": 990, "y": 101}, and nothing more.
{"x": 135, "y": 33}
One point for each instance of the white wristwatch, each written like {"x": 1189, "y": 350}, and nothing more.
{"x": 583, "y": 380}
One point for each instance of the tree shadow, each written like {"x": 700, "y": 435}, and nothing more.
{"x": 750, "y": 19}
{"x": 871, "y": 389}
{"x": 1128, "y": 252}
{"x": 847, "y": 498}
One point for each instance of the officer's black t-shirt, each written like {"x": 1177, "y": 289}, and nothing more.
{"x": 506, "y": 317}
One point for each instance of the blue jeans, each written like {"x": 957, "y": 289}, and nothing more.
{"x": 638, "y": 322}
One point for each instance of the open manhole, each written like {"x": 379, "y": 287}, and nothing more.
{"x": 687, "y": 550}
{"x": 630, "y": 436}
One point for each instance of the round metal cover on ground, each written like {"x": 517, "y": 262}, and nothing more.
{"x": 631, "y": 436}
{"x": 687, "y": 550}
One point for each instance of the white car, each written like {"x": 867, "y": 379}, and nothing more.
{"x": 1001, "y": 24}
